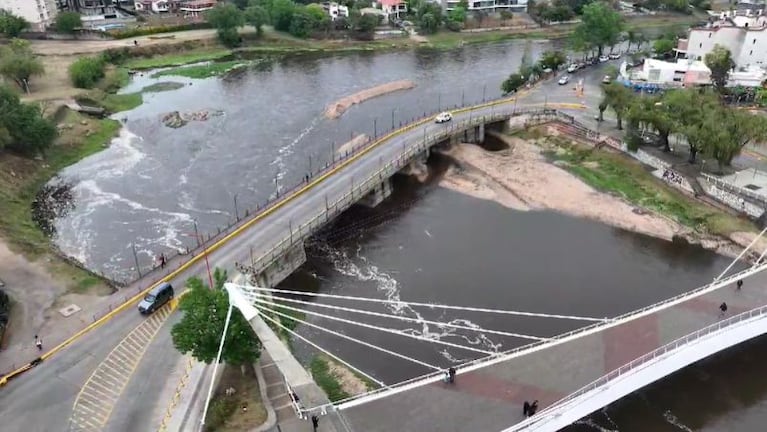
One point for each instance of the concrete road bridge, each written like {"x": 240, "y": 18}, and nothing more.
{"x": 268, "y": 245}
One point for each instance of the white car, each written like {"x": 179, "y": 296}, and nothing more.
{"x": 572, "y": 68}
{"x": 443, "y": 117}
{"x": 614, "y": 56}
{"x": 603, "y": 58}
{"x": 564, "y": 80}
{"x": 607, "y": 79}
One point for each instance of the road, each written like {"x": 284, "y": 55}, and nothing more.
{"x": 50, "y": 390}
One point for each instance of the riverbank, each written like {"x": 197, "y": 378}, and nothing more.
{"x": 556, "y": 175}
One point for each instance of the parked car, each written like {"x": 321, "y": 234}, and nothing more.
{"x": 443, "y": 117}
{"x": 572, "y": 68}
{"x": 156, "y": 298}
{"x": 614, "y": 56}
{"x": 603, "y": 58}
{"x": 564, "y": 80}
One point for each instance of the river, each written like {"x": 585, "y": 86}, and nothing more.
{"x": 427, "y": 243}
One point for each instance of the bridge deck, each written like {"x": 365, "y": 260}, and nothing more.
{"x": 491, "y": 398}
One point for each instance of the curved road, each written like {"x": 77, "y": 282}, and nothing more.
{"x": 49, "y": 391}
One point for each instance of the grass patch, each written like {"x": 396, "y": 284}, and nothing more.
{"x": 617, "y": 174}
{"x": 161, "y": 87}
{"x": 115, "y": 103}
{"x": 326, "y": 379}
{"x": 199, "y": 71}
{"x": 226, "y": 413}
{"x": 21, "y": 179}
{"x": 177, "y": 59}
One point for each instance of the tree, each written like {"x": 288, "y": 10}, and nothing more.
{"x": 226, "y": 18}
{"x": 632, "y": 37}
{"x": 552, "y": 59}
{"x": 506, "y": 15}
{"x": 199, "y": 331}
{"x": 18, "y": 63}
{"x": 302, "y": 23}
{"x": 429, "y": 18}
{"x": 23, "y": 128}
{"x": 458, "y": 14}
{"x": 720, "y": 62}
{"x": 86, "y": 72}
{"x": 600, "y": 26}
{"x": 663, "y": 47}
{"x": 696, "y": 113}
{"x": 68, "y": 22}
{"x": 512, "y": 83}
{"x": 257, "y": 16}
{"x": 619, "y": 98}
{"x": 739, "y": 128}
{"x": 282, "y": 14}
{"x": 11, "y": 25}
{"x": 241, "y": 4}
{"x": 659, "y": 113}
{"x": 363, "y": 25}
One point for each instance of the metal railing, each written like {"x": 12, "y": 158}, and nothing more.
{"x": 639, "y": 362}
{"x": 561, "y": 338}
{"x": 300, "y": 233}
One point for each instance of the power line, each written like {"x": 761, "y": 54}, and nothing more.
{"x": 262, "y": 308}
{"x": 433, "y": 305}
{"x": 372, "y": 327}
{"x": 323, "y": 350}
{"x": 417, "y": 320}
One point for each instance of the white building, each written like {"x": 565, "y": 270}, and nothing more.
{"x": 393, "y": 8}
{"x": 689, "y": 73}
{"x": 39, "y": 13}
{"x": 336, "y": 10}
{"x": 156, "y": 6}
{"x": 742, "y": 32}
{"x": 489, "y": 6}
{"x": 196, "y": 8}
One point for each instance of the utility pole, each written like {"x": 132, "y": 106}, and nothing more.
{"x": 463, "y": 94}
{"x": 375, "y": 127}
{"x": 135, "y": 258}
{"x": 484, "y": 88}
{"x": 196, "y": 233}
{"x": 439, "y": 102}
{"x": 392, "y": 118}
{"x": 236, "y": 211}
{"x": 204, "y": 252}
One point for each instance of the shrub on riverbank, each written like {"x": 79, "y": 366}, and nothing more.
{"x": 87, "y": 71}
{"x": 329, "y": 382}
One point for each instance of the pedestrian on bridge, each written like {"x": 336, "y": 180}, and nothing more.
{"x": 451, "y": 375}
{"x": 38, "y": 343}
{"x": 315, "y": 423}
{"x": 526, "y": 409}
{"x": 533, "y": 408}
{"x": 722, "y": 309}
{"x": 162, "y": 260}
{"x": 739, "y": 284}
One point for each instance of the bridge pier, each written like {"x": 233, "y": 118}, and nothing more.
{"x": 475, "y": 135}
{"x": 381, "y": 191}
{"x": 281, "y": 267}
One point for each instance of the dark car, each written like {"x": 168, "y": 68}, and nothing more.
{"x": 156, "y": 298}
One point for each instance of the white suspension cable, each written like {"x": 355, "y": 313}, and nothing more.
{"x": 263, "y": 309}
{"x": 737, "y": 258}
{"x": 372, "y": 327}
{"x": 323, "y": 350}
{"x": 417, "y": 320}
{"x": 431, "y": 305}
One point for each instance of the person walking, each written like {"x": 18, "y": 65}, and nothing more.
{"x": 526, "y": 408}
{"x": 162, "y": 260}
{"x": 38, "y": 343}
{"x": 722, "y": 309}
{"x": 533, "y": 408}
{"x": 451, "y": 374}
{"x": 315, "y": 423}
{"x": 739, "y": 284}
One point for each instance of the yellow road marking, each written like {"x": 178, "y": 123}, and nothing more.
{"x": 215, "y": 246}
{"x": 94, "y": 403}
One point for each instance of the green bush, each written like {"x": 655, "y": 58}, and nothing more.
{"x": 86, "y": 72}
{"x": 116, "y": 55}
{"x": 147, "y": 31}
{"x": 220, "y": 411}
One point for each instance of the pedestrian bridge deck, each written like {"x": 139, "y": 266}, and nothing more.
{"x": 490, "y": 398}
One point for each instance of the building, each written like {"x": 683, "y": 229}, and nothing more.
{"x": 196, "y": 8}
{"x": 38, "y": 13}
{"x": 335, "y": 10}
{"x": 742, "y": 31}
{"x": 393, "y": 8}
{"x": 155, "y": 6}
{"x": 489, "y": 6}
{"x": 688, "y": 73}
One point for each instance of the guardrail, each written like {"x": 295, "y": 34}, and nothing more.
{"x": 547, "y": 413}
{"x": 729, "y": 187}
{"x": 581, "y": 331}
{"x": 300, "y": 233}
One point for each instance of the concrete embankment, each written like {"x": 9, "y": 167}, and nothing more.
{"x": 337, "y": 108}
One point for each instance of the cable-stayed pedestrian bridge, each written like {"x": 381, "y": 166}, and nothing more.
{"x": 571, "y": 375}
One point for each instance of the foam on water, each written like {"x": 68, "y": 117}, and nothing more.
{"x": 122, "y": 155}
{"x": 288, "y": 149}
{"x": 361, "y": 269}
{"x": 674, "y": 420}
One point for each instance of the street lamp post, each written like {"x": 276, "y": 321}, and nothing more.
{"x": 375, "y": 127}
{"x": 392, "y": 118}
{"x": 204, "y": 252}
{"x": 236, "y": 211}
{"x": 484, "y": 88}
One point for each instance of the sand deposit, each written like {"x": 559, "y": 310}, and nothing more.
{"x": 337, "y": 108}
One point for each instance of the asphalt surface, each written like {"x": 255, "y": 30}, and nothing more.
{"x": 42, "y": 399}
